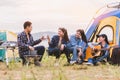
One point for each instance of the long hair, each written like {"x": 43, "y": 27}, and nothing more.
{"x": 106, "y": 38}
{"x": 103, "y": 36}
{"x": 83, "y": 35}
{"x": 65, "y": 37}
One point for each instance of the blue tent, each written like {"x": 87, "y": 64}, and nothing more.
{"x": 112, "y": 10}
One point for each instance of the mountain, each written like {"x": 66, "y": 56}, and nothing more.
{"x": 40, "y": 34}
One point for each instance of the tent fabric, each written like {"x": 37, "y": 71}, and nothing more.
{"x": 104, "y": 12}
{"x": 7, "y": 36}
{"x": 11, "y": 36}
{"x": 98, "y": 19}
{"x": 2, "y": 51}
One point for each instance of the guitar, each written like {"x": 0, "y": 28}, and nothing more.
{"x": 90, "y": 53}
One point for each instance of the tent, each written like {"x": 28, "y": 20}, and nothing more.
{"x": 106, "y": 21}
{"x": 107, "y": 16}
{"x": 7, "y": 36}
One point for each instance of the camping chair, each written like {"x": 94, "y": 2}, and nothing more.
{"x": 9, "y": 45}
{"x": 30, "y": 57}
{"x": 1, "y": 42}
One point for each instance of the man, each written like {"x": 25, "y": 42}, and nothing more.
{"x": 26, "y": 43}
{"x": 77, "y": 46}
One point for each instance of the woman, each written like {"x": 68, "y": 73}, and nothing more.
{"x": 104, "y": 43}
{"x": 77, "y": 46}
{"x": 58, "y": 44}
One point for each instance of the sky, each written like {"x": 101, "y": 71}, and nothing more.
{"x": 48, "y": 15}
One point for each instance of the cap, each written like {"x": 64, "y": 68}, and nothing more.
{"x": 101, "y": 35}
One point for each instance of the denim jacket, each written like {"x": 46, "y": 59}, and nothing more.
{"x": 76, "y": 42}
{"x": 55, "y": 40}
{"x": 92, "y": 44}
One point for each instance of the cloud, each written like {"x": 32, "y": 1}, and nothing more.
{"x": 47, "y": 14}
{"x": 11, "y": 3}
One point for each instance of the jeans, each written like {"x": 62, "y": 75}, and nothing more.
{"x": 57, "y": 52}
{"x": 99, "y": 59}
{"x": 75, "y": 53}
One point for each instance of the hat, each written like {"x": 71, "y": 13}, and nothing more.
{"x": 104, "y": 36}
{"x": 101, "y": 35}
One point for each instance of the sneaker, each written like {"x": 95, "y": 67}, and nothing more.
{"x": 37, "y": 63}
{"x": 98, "y": 63}
{"x": 68, "y": 60}
{"x": 72, "y": 62}
{"x": 89, "y": 64}
{"x": 105, "y": 60}
{"x": 79, "y": 61}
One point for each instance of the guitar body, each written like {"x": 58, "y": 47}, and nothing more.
{"x": 90, "y": 53}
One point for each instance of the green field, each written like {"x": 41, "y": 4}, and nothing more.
{"x": 48, "y": 71}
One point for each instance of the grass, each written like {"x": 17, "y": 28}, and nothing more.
{"x": 48, "y": 71}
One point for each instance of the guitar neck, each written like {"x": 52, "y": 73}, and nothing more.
{"x": 116, "y": 46}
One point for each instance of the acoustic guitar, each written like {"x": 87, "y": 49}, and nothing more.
{"x": 90, "y": 53}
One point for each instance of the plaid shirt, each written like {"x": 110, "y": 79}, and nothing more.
{"x": 24, "y": 44}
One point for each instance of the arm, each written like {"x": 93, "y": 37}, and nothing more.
{"x": 36, "y": 42}
{"x": 72, "y": 41}
{"x": 52, "y": 42}
{"x": 65, "y": 43}
{"x": 92, "y": 44}
{"x": 82, "y": 44}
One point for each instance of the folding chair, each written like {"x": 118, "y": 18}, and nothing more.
{"x": 31, "y": 56}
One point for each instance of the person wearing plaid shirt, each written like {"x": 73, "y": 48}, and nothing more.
{"x": 26, "y": 43}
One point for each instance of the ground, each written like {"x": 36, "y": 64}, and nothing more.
{"x": 48, "y": 71}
